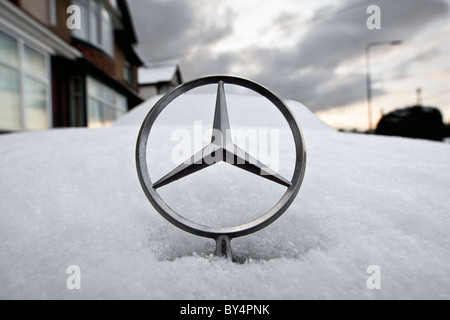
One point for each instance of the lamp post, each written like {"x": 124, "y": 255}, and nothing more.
{"x": 368, "y": 79}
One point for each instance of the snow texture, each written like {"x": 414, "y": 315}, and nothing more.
{"x": 72, "y": 197}
{"x": 156, "y": 75}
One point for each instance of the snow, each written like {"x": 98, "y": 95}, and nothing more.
{"x": 72, "y": 197}
{"x": 156, "y": 74}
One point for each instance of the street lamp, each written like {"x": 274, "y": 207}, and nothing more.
{"x": 368, "y": 84}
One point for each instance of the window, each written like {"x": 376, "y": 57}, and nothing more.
{"x": 77, "y": 95}
{"x": 24, "y": 86}
{"x": 127, "y": 73}
{"x": 96, "y": 25}
{"x": 104, "y": 105}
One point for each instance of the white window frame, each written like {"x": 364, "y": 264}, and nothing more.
{"x": 103, "y": 101}
{"x": 22, "y": 73}
{"x": 86, "y": 22}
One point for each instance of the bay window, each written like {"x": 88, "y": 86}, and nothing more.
{"x": 96, "y": 25}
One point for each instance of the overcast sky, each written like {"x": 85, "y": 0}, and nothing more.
{"x": 309, "y": 51}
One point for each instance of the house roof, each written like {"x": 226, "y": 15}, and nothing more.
{"x": 127, "y": 21}
{"x": 157, "y": 75}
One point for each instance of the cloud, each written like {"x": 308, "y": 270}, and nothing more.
{"x": 302, "y": 72}
{"x": 171, "y": 29}
{"x": 306, "y": 60}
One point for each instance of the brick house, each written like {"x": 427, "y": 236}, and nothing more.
{"x": 53, "y": 76}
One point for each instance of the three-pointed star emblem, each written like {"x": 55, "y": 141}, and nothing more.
{"x": 221, "y": 149}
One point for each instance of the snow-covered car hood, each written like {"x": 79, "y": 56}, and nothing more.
{"x": 72, "y": 197}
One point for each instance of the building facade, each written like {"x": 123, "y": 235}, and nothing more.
{"x": 66, "y": 63}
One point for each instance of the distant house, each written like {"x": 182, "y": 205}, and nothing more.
{"x": 156, "y": 81}
{"x": 52, "y": 75}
